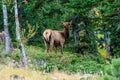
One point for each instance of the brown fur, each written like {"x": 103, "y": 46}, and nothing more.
{"x": 56, "y": 38}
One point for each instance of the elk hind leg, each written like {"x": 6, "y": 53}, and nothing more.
{"x": 55, "y": 49}
{"x": 51, "y": 45}
{"x": 46, "y": 46}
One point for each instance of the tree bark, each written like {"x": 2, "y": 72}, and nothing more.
{"x": 24, "y": 59}
{"x": 8, "y": 43}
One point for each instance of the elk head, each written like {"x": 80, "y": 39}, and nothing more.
{"x": 67, "y": 24}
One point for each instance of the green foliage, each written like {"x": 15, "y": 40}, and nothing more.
{"x": 111, "y": 71}
{"x": 14, "y": 56}
{"x": 28, "y": 32}
{"x": 115, "y": 42}
{"x": 107, "y": 77}
{"x": 36, "y": 16}
{"x": 70, "y": 63}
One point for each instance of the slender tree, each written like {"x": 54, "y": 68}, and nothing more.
{"x": 8, "y": 43}
{"x": 24, "y": 59}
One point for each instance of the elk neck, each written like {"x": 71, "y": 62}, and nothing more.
{"x": 66, "y": 32}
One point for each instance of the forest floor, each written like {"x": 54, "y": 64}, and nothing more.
{"x": 9, "y": 72}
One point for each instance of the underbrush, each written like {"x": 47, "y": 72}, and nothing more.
{"x": 68, "y": 62}
{"x": 111, "y": 71}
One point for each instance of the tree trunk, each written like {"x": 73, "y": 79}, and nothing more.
{"x": 24, "y": 59}
{"x": 8, "y": 43}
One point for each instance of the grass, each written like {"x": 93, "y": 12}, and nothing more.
{"x": 50, "y": 66}
{"x": 68, "y": 62}
{"x": 7, "y": 70}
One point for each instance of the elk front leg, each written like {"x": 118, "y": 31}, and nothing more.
{"x": 61, "y": 45}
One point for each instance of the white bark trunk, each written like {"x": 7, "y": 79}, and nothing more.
{"x": 8, "y": 43}
{"x": 24, "y": 59}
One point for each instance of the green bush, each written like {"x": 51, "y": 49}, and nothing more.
{"x": 85, "y": 64}
{"x": 112, "y": 71}
{"x": 70, "y": 63}
{"x": 14, "y": 56}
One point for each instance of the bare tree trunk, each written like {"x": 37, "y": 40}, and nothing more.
{"x": 24, "y": 59}
{"x": 8, "y": 43}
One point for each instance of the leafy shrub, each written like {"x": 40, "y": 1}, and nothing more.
{"x": 85, "y": 64}
{"x": 70, "y": 63}
{"x": 112, "y": 71}
{"x": 14, "y": 55}
{"x": 29, "y": 32}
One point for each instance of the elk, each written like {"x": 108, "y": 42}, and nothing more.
{"x": 54, "y": 38}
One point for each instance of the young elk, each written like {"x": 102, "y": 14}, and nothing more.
{"x": 56, "y": 38}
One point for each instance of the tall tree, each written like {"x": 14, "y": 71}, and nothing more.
{"x": 24, "y": 59}
{"x": 8, "y": 43}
